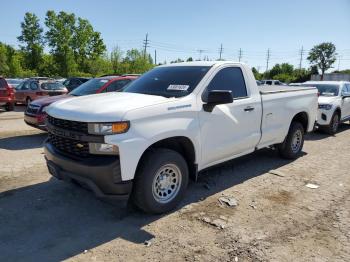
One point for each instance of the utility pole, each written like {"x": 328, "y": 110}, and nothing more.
{"x": 240, "y": 55}
{"x": 339, "y": 58}
{"x": 155, "y": 56}
{"x": 200, "y": 51}
{"x": 220, "y": 52}
{"x": 301, "y": 57}
{"x": 267, "y": 59}
{"x": 145, "y": 45}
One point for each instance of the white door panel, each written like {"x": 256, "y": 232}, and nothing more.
{"x": 229, "y": 130}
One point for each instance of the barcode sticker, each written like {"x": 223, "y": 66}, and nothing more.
{"x": 178, "y": 87}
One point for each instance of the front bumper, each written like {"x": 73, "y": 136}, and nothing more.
{"x": 324, "y": 117}
{"x": 34, "y": 122}
{"x": 101, "y": 174}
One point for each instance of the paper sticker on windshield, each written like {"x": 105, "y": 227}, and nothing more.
{"x": 103, "y": 81}
{"x": 178, "y": 87}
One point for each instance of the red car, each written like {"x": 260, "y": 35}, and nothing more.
{"x": 7, "y": 96}
{"x": 34, "y": 88}
{"x": 35, "y": 114}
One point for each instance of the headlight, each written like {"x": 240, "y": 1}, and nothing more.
{"x": 109, "y": 128}
{"x": 103, "y": 149}
{"x": 44, "y": 109}
{"x": 325, "y": 106}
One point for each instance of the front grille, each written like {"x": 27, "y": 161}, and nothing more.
{"x": 69, "y": 125}
{"x": 55, "y": 93}
{"x": 31, "y": 109}
{"x": 70, "y": 146}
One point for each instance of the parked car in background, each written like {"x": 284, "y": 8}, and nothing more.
{"x": 272, "y": 82}
{"x": 259, "y": 83}
{"x": 333, "y": 104}
{"x": 13, "y": 82}
{"x": 35, "y": 114}
{"x": 34, "y": 88}
{"x": 7, "y": 97}
{"x": 73, "y": 82}
{"x": 169, "y": 124}
{"x": 295, "y": 84}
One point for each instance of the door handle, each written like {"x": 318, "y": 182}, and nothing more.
{"x": 249, "y": 108}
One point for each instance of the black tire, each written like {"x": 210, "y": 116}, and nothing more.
{"x": 10, "y": 107}
{"x": 144, "y": 191}
{"x": 290, "y": 149}
{"x": 333, "y": 126}
{"x": 28, "y": 100}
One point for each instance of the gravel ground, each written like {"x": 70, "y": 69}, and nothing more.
{"x": 277, "y": 217}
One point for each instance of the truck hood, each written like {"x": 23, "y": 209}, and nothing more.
{"x": 327, "y": 99}
{"x": 48, "y": 100}
{"x": 109, "y": 107}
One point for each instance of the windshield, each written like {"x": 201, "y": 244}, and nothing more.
{"x": 13, "y": 81}
{"x": 326, "y": 90}
{"x": 52, "y": 86}
{"x": 173, "y": 81}
{"x": 89, "y": 87}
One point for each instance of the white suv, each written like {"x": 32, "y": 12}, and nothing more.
{"x": 333, "y": 104}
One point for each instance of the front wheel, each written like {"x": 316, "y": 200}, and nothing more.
{"x": 294, "y": 142}
{"x": 333, "y": 125}
{"x": 161, "y": 181}
{"x": 10, "y": 107}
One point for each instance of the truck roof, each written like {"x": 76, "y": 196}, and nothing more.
{"x": 202, "y": 63}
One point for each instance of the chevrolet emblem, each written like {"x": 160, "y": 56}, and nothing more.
{"x": 79, "y": 145}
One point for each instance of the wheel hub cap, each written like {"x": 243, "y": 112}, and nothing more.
{"x": 166, "y": 183}
{"x": 296, "y": 142}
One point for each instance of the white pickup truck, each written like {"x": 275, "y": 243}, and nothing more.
{"x": 333, "y": 104}
{"x": 168, "y": 125}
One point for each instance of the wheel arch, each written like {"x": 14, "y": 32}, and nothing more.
{"x": 303, "y": 118}
{"x": 181, "y": 144}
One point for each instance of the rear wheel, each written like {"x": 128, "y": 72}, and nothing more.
{"x": 161, "y": 181}
{"x": 333, "y": 126}
{"x": 293, "y": 143}
{"x": 10, "y": 107}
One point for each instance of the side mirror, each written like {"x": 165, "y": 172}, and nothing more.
{"x": 217, "y": 97}
{"x": 346, "y": 94}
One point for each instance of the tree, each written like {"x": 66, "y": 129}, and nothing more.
{"x": 116, "y": 59}
{"x": 190, "y": 59}
{"x": 61, "y": 28}
{"x": 256, "y": 73}
{"x": 323, "y": 56}
{"x": 86, "y": 43}
{"x": 32, "y": 40}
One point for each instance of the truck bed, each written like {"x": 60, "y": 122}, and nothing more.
{"x": 266, "y": 89}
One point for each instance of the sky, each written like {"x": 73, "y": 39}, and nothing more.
{"x": 180, "y": 29}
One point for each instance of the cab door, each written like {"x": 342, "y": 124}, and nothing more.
{"x": 21, "y": 90}
{"x": 345, "y": 102}
{"x": 229, "y": 129}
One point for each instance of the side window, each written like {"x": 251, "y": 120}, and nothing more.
{"x": 268, "y": 83}
{"x": 34, "y": 85}
{"x": 230, "y": 78}
{"x": 25, "y": 86}
{"x": 346, "y": 88}
{"x": 117, "y": 85}
{"x": 2, "y": 84}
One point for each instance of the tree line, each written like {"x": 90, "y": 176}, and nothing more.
{"x": 76, "y": 49}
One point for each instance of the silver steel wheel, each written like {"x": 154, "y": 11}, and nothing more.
{"x": 296, "y": 141}
{"x": 166, "y": 183}
{"x": 335, "y": 123}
